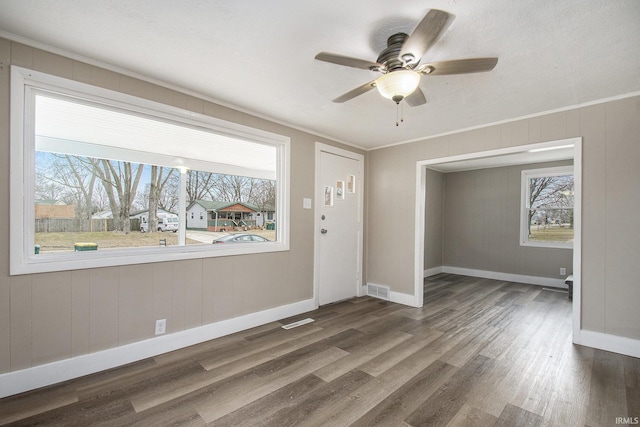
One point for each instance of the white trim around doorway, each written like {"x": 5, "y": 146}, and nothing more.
{"x": 421, "y": 168}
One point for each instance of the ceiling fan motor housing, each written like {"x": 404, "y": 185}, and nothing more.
{"x": 390, "y": 56}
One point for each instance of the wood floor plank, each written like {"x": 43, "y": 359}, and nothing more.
{"x": 441, "y": 407}
{"x": 468, "y": 416}
{"x": 479, "y": 352}
{"x": 361, "y": 401}
{"x": 373, "y": 348}
{"x": 607, "y": 394}
{"x": 340, "y": 340}
{"x": 246, "y": 349}
{"x": 261, "y": 411}
{"x": 471, "y": 345}
{"x": 514, "y": 416}
{"x": 402, "y": 402}
{"x": 393, "y": 356}
{"x": 571, "y": 388}
{"x": 317, "y": 402}
{"x": 229, "y": 399}
{"x": 496, "y": 388}
{"x": 25, "y": 406}
{"x": 174, "y": 413}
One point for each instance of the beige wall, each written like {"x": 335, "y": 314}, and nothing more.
{"x": 54, "y": 316}
{"x": 433, "y": 219}
{"x": 482, "y": 225}
{"x": 611, "y": 200}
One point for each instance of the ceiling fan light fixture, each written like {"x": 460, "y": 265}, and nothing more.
{"x": 397, "y": 85}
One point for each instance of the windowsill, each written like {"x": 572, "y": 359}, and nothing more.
{"x": 43, "y": 263}
{"x": 548, "y": 245}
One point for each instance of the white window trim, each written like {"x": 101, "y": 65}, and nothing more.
{"x": 524, "y": 200}
{"x": 22, "y": 257}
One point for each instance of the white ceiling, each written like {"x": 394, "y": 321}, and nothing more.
{"x": 258, "y": 56}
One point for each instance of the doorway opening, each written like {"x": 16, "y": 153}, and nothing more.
{"x": 526, "y": 154}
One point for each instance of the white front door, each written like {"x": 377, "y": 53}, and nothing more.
{"x": 339, "y": 224}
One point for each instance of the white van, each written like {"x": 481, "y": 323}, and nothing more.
{"x": 166, "y": 222}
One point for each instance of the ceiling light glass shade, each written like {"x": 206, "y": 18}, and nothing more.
{"x": 398, "y": 84}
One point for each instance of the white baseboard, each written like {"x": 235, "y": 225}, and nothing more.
{"x": 608, "y": 342}
{"x": 404, "y": 299}
{"x": 599, "y": 340}
{"x": 397, "y": 297}
{"x": 432, "y": 271}
{"x": 496, "y": 275}
{"x": 62, "y": 370}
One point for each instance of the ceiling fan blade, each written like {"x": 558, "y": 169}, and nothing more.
{"x": 348, "y": 61}
{"x": 432, "y": 26}
{"x": 458, "y": 66}
{"x": 416, "y": 98}
{"x": 356, "y": 92}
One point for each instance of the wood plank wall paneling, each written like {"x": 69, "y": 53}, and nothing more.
{"x": 480, "y": 352}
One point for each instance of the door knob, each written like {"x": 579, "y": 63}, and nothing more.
{"x": 323, "y": 231}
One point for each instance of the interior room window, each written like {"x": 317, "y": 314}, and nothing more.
{"x": 547, "y": 207}
{"x": 108, "y": 178}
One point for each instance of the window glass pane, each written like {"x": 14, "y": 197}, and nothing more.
{"x": 551, "y": 191}
{"x": 84, "y": 203}
{"x": 220, "y": 204}
{"x": 96, "y": 181}
{"x": 550, "y": 208}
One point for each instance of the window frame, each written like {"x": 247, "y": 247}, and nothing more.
{"x": 24, "y": 83}
{"x": 526, "y": 175}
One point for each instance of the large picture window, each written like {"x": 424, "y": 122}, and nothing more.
{"x": 547, "y": 207}
{"x": 100, "y": 178}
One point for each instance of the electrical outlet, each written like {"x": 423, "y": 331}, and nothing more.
{"x": 563, "y": 271}
{"x": 161, "y": 326}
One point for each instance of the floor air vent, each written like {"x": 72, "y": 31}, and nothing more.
{"x": 378, "y": 291}
{"x": 298, "y": 323}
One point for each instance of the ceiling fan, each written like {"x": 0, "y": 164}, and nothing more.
{"x": 400, "y": 66}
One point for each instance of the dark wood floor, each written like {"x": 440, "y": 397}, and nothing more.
{"x": 479, "y": 353}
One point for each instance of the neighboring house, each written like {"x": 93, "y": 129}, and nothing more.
{"x": 107, "y": 214}
{"x": 143, "y": 215}
{"x": 215, "y": 216}
{"x": 54, "y": 209}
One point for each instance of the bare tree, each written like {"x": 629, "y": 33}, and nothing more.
{"x": 100, "y": 200}
{"x": 153, "y": 199}
{"x": 119, "y": 179}
{"x": 550, "y": 193}
{"x": 159, "y": 178}
{"x": 229, "y": 188}
{"x": 46, "y": 189}
{"x": 71, "y": 178}
{"x": 198, "y": 185}
{"x": 263, "y": 194}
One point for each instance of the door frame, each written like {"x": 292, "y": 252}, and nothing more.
{"x": 319, "y": 195}
{"x": 420, "y": 205}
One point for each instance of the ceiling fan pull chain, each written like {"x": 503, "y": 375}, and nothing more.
{"x": 399, "y": 113}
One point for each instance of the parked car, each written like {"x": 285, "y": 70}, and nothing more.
{"x": 240, "y": 238}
